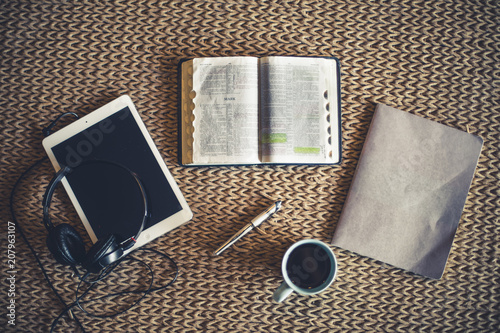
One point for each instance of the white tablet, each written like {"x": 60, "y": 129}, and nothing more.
{"x": 116, "y": 133}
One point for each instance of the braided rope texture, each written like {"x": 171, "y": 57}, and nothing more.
{"x": 437, "y": 59}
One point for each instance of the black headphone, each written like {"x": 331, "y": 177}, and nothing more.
{"x": 67, "y": 246}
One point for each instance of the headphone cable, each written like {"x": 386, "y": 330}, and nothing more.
{"x": 23, "y": 236}
{"x": 101, "y": 277}
{"x": 46, "y": 131}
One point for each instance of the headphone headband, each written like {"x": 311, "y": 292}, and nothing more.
{"x": 49, "y": 192}
{"x": 65, "y": 170}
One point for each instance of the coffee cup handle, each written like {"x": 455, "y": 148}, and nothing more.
{"x": 282, "y": 292}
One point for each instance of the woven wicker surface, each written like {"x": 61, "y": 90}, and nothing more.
{"x": 437, "y": 59}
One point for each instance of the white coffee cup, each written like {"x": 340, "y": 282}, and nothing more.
{"x": 309, "y": 267}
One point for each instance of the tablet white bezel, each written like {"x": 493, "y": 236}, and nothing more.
{"x": 93, "y": 118}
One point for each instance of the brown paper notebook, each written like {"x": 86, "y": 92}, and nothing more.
{"x": 408, "y": 192}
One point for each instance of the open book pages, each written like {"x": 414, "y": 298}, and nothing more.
{"x": 246, "y": 110}
{"x": 225, "y": 111}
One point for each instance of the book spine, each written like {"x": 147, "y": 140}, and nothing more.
{"x": 187, "y": 112}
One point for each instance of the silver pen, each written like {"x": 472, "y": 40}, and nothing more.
{"x": 250, "y": 226}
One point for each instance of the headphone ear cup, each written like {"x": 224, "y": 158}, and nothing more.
{"x": 103, "y": 253}
{"x": 66, "y": 245}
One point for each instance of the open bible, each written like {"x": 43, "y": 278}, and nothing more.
{"x": 247, "y": 110}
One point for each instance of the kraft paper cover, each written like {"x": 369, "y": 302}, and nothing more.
{"x": 408, "y": 192}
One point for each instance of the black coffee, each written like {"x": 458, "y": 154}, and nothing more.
{"x": 308, "y": 266}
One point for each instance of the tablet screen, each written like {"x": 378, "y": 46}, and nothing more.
{"x": 109, "y": 198}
